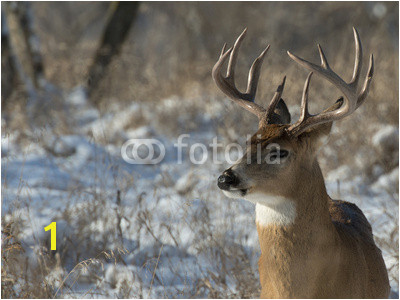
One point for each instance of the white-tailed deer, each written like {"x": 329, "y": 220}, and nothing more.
{"x": 311, "y": 246}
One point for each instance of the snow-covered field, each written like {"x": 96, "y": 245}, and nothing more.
{"x": 163, "y": 230}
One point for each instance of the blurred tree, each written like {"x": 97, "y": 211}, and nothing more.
{"x": 20, "y": 18}
{"x": 122, "y": 17}
{"x": 9, "y": 79}
{"x": 26, "y": 59}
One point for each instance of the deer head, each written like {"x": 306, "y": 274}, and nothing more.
{"x": 281, "y": 154}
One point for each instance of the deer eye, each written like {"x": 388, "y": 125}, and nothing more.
{"x": 281, "y": 153}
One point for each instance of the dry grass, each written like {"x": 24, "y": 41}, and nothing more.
{"x": 85, "y": 252}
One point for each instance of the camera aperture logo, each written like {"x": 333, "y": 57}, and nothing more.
{"x": 143, "y": 151}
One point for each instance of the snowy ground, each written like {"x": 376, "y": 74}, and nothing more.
{"x": 170, "y": 232}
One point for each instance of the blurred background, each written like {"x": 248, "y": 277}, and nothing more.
{"x": 81, "y": 78}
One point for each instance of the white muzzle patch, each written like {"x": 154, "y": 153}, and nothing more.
{"x": 235, "y": 194}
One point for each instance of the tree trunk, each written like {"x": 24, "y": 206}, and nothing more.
{"x": 114, "y": 35}
{"x": 20, "y": 20}
{"x": 9, "y": 79}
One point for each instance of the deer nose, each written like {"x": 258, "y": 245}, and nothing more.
{"x": 227, "y": 180}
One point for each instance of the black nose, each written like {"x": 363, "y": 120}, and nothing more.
{"x": 227, "y": 180}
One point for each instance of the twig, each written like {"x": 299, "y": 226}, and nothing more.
{"x": 154, "y": 272}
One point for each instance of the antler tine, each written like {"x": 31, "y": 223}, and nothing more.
{"x": 227, "y": 84}
{"x": 324, "y": 61}
{"x": 305, "y": 116}
{"x": 367, "y": 82}
{"x": 254, "y": 73}
{"x": 230, "y": 73}
{"x": 358, "y": 59}
{"x": 304, "y": 100}
{"x": 223, "y": 50}
{"x": 216, "y": 71}
{"x": 352, "y": 100}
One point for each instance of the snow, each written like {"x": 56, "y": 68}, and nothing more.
{"x": 387, "y": 181}
{"x": 174, "y": 221}
{"x": 386, "y": 138}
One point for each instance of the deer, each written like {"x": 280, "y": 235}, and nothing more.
{"x": 311, "y": 245}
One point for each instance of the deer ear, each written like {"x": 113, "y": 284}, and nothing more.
{"x": 281, "y": 114}
{"x": 319, "y": 134}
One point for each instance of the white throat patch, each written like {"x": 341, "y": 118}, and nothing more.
{"x": 270, "y": 209}
{"x": 275, "y": 211}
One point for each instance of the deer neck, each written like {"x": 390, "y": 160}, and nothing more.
{"x": 304, "y": 205}
{"x": 292, "y": 235}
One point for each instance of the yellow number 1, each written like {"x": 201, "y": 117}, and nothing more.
{"x": 53, "y": 228}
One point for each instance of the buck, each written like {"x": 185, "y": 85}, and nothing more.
{"x": 311, "y": 246}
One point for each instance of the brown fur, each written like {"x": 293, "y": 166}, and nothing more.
{"x": 321, "y": 257}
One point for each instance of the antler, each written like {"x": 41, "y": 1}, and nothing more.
{"x": 228, "y": 87}
{"x": 352, "y": 100}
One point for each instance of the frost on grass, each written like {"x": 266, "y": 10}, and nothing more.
{"x": 147, "y": 230}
